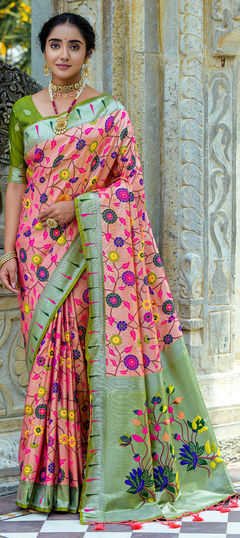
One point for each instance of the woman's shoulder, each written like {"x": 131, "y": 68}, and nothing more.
{"x": 23, "y": 102}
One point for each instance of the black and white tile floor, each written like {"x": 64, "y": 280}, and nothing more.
{"x": 16, "y": 523}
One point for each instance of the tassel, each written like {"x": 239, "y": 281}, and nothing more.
{"x": 99, "y": 527}
{"x": 233, "y": 503}
{"x": 223, "y": 510}
{"x": 136, "y": 525}
{"x": 197, "y": 517}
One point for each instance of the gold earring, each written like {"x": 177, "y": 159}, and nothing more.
{"x": 46, "y": 70}
{"x": 84, "y": 71}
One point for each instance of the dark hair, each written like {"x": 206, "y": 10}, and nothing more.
{"x": 82, "y": 24}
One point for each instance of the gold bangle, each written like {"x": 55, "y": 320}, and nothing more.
{"x": 8, "y": 256}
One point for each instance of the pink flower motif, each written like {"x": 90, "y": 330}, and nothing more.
{"x": 156, "y": 456}
{"x": 138, "y": 438}
{"x": 145, "y": 431}
{"x": 153, "y": 437}
{"x": 137, "y": 458}
{"x": 157, "y": 428}
{"x": 170, "y": 409}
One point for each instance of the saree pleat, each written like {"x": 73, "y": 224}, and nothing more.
{"x": 115, "y": 426}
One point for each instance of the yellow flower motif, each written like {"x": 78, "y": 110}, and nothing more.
{"x": 170, "y": 389}
{"x": 93, "y": 146}
{"x": 69, "y": 362}
{"x": 25, "y": 217}
{"x": 212, "y": 464}
{"x": 163, "y": 408}
{"x": 61, "y": 360}
{"x": 146, "y": 304}
{"x": 64, "y": 197}
{"x": 67, "y": 337}
{"x": 26, "y": 308}
{"x": 177, "y": 479}
{"x": 92, "y": 181}
{"x": 139, "y": 343}
{"x": 143, "y": 243}
{"x": 116, "y": 340}
{"x": 113, "y": 256}
{"x": 213, "y": 447}
{"x": 38, "y": 226}
{"x": 64, "y": 174}
{"x": 156, "y": 317}
{"x": 146, "y": 339}
{"x": 38, "y": 430}
{"x": 42, "y": 391}
{"x": 198, "y": 424}
{"x": 61, "y": 240}
{"x": 150, "y": 500}
{"x": 63, "y": 412}
{"x": 63, "y": 439}
{"x": 71, "y": 414}
{"x": 218, "y": 460}
{"x": 27, "y": 469}
{"x": 36, "y": 259}
{"x": 51, "y": 353}
{"x": 34, "y": 444}
{"x": 131, "y": 221}
{"x": 28, "y": 410}
{"x": 208, "y": 448}
{"x": 152, "y": 277}
{"x": 141, "y": 255}
{"x": 26, "y": 434}
{"x": 29, "y": 172}
{"x": 27, "y": 203}
{"x": 72, "y": 441}
{"x": 219, "y": 453}
{"x": 123, "y": 150}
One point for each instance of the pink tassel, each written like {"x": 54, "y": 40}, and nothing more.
{"x": 223, "y": 510}
{"x": 233, "y": 504}
{"x": 99, "y": 527}
{"x": 135, "y": 525}
{"x": 197, "y": 517}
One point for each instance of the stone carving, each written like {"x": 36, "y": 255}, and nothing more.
{"x": 225, "y": 18}
{"x": 220, "y": 172}
{"x": 14, "y": 84}
{"x": 230, "y": 450}
{"x": 190, "y": 290}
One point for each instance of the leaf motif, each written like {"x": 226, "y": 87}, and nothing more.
{"x": 131, "y": 490}
{"x": 202, "y": 462}
{"x": 190, "y": 467}
{"x": 170, "y": 488}
{"x": 144, "y": 493}
{"x": 200, "y": 450}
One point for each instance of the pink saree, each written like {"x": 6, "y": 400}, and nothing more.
{"x": 114, "y": 425}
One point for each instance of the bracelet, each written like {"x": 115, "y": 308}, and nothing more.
{"x": 8, "y": 256}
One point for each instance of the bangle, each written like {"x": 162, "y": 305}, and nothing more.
{"x": 8, "y": 256}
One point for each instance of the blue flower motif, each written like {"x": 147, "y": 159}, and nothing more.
{"x": 135, "y": 480}
{"x": 118, "y": 242}
{"x": 156, "y": 399}
{"x": 160, "y": 480}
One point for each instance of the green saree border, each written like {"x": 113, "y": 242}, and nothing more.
{"x": 58, "y": 287}
{"x": 48, "y": 497}
{"x": 89, "y": 221}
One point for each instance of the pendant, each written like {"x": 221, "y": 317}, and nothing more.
{"x": 61, "y": 125}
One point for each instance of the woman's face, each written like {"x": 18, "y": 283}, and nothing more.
{"x": 65, "y": 53}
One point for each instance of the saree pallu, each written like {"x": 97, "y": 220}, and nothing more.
{"x": 115, "y": 426}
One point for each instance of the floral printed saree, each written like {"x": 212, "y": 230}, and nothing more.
{"x": 115, "y": 426}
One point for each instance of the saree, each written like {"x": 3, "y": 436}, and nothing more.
{"x": 115, "y": 426}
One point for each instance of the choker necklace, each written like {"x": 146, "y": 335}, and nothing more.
{"x": 62, "y": 121}
{"x": 59, "y": 90}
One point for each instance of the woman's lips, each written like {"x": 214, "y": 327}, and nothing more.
{"x": 62, "y": 66}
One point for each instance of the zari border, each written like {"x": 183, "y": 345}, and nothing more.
{"x": 89, "y": 222}
{"x": 58, "y": 287}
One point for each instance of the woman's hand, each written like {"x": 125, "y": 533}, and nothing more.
{"x": 62, "y": 212}
{"x": 8, "y": 275}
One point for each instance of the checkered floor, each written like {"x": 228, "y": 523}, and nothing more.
{"x": 20, "y": 524}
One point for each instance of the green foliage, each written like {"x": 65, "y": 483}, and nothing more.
{"x": 15, "y": 31}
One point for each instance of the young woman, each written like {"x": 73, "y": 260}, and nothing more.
{"x": 114, "y": 425}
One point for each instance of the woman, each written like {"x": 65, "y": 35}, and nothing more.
{"x": 114, "y": 426}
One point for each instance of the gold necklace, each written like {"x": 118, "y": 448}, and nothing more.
{"x": 59, "y": 90}
{"x": 62, "y": 121}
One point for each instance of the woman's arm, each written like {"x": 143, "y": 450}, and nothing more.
{"x": 13, "y": 206}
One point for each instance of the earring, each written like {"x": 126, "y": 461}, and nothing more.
{"x": 46, "y": 70}
{"x": 84, "y": 71}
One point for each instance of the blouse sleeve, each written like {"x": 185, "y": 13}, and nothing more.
{"x": 17, "y": 168}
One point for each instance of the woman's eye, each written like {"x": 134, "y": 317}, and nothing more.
{"x": 75, "y": 47}
{"x": 54, "y": 45}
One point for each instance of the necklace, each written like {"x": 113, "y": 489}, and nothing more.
{"x": 64, "y": 90}
{"x": 62, "y": 121}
